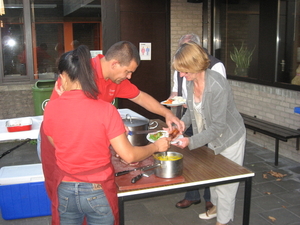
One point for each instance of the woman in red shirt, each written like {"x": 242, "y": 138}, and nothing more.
{"x": 81, "y": 128}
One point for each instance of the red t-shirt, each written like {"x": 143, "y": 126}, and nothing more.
{"x": 108, "y": 89}
{"x": 81, "y": 129}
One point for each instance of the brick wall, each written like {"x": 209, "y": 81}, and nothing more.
{"x": 271, "y": 104}
{"x": 185, "y": 18}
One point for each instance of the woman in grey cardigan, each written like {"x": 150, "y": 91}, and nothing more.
{"x": 215, "y": 120}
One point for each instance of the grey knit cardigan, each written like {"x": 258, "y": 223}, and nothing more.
{"x": 223, "y": 124}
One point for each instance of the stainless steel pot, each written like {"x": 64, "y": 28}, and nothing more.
{"x": 138, "y": 124}
{"x": 170, "y": 164}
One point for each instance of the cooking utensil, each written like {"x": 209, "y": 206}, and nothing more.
{"x": 145, "y": 174}
{"x": 142, "y": 168}
{"x": 141, "y": 132}
{"x": 171, "y": 165}
{"x": 138, "y": 124}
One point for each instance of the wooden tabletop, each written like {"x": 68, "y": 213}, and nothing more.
{"x": 202, "y": 166}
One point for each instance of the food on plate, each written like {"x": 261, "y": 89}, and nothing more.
{"x": 169, "y": 101}
{"x": 174, "y": 133}
{"x": 178, "y": 100}
{"x": 175, "y": 100}
{"x": 156, "y": 136}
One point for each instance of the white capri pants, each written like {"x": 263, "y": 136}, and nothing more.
{"x": 223, "y": 196}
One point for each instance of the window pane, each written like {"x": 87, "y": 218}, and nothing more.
{"x": 87, "y": 34}
{"x": 48, "y": 37}
{"x": 267, "y": 29}
{"x": 12, "y": 38}
{"x": 239, "y": 25}
{"x": 289, "y": 55}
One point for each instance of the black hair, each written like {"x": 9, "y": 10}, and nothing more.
{"x": 77, "y": 64}
{"x": 124, "y": 52}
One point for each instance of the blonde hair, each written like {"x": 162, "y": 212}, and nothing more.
{"x": 190, "y": 57}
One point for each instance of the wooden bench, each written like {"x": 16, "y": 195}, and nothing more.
{"x": 273, "y": 130}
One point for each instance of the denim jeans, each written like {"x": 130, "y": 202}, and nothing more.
{"x": 78, "y": 200}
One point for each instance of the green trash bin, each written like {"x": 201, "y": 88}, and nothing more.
{"x": 41, "y": 91}
{"x": 115, "y": 102}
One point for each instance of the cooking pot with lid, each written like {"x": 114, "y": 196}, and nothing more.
{"x": 138, "y": 124}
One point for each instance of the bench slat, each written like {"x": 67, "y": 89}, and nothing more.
{"x": 273, "y": 130}
{"x": 277, "y": 131}
{"x": 283, "y": 133}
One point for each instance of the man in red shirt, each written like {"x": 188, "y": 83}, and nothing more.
{"x": 113, "y": 71}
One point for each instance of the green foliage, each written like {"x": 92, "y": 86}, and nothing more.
{"x": 242, "y": 57}
{"x": 33, "y": 141}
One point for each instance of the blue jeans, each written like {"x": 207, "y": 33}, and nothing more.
{"x": 78, "y": 200}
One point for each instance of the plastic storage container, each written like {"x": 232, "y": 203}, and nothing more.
{"x": 41, "y": 91}
{"x": 22, "y": 192}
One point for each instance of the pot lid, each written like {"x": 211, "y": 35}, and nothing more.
{"x": 130, "y": 121}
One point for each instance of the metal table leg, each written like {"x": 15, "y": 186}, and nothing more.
{"x": 276, "y": 151}
{"x": 247, "y": 200}
{"x": 121, "y": 210}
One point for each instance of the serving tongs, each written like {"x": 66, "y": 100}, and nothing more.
{"x": 172, "y": 135}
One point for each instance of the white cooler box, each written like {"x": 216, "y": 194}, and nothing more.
{"x": 22, "y": 192}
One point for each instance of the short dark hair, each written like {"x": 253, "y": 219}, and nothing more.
{"x": 77, "y": 64}
{"x": 124, "y": 52}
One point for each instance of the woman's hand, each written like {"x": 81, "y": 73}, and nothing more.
{"x": 182, "y": 142}
{"x": 162, "y": 144}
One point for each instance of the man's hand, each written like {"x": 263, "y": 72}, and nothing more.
{"x": 170, "y": 119}
{"x": 152, "y": 105}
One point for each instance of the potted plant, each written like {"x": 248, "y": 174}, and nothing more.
{"x": 242, "y": 58}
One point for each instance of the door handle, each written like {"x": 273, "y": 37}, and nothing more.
{"x": 282, "y": 65}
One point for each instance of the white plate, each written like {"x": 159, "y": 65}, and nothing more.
{"x": 178, "y": 99}
{"x": 177, "y": 104}
{"x": 165, "y": 134}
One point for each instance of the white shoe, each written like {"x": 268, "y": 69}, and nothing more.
{"x": 207, "y": 216}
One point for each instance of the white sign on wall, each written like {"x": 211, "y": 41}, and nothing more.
{"x": 145, "y": 51}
